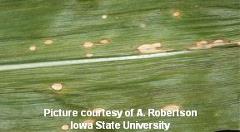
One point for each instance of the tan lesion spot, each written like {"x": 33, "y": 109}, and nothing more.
{"x": 152, "y": 48}
{"x": 171, "y": 107}
{"x": 33, "y": 48}
{"x": 89, "y": 55}
{"x": 104, "y": 41}
{"x": 176, "y": 14}
{"x": 65, "y": 127}
{"x": 210, "y": 44}
{"x": 57, "y": 86}
{"x": 104, "y": 16}
{"x": 219, "y": 42}
{"x": 238, "y": 43}
{"x": 88, "y": 44}
{"x": 203, "y": 44}
{"x": 48, "y": 42}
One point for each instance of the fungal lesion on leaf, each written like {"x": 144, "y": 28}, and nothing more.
{"x": 33, "y": 48}
{"x": 152, "y": 48}
{"x": 205, "y": 44}
{"x": 88, "y": 44}
{"x": 48, "y": 41}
